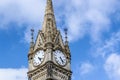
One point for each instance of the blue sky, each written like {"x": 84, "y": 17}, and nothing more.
{"x": 94, "y": 36}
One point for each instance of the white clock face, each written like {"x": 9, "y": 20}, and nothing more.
{"x": 38, "y": 58}
{"x": 60, "y": 57}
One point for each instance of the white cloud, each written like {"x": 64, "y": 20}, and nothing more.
{"x": 105, "y": 52}
{"x": 112, "y": 66}
{"x": 111, "y": 45}
{"x": 82, "y": 17}
{"x": 13, "y": 74}
{"x": 88, "y": 17}
{"x": 86, "y": 68}
{"x": 21, "y": 12}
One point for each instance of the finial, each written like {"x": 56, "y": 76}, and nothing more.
{"x": 32, "y": 35}
{"x": 66, "y": 37}
{"x": 32, "y": 41}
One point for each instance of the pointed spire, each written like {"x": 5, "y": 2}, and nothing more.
{"x": 49, "y": 8}
{"x": 49, "y": 18}
{"x": 49, "y": 25}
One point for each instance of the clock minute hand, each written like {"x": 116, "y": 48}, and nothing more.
{"x": 61, "y": 60}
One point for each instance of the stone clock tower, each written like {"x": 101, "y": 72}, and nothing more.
{"x": 49, "y": 57}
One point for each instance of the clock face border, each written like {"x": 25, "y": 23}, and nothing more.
{"x": 56, "y": 59}
{"x": 34, "y": 57}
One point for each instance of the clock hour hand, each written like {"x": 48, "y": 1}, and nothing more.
{"x": 39, "y": 58}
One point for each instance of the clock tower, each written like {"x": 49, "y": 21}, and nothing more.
{"x": 49, "y": 56}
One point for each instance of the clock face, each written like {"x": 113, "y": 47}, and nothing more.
{"x": 38, "y": 58}
{"x": 60, "y": 57}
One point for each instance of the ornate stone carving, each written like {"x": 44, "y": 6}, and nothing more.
{"x": 49, "y": 69}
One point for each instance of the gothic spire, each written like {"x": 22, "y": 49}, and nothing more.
{"x": 49, "y": 8}
{"x": 49, "y": 28}
{"x": 49, "y": 23}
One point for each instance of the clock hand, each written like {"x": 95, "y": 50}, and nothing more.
{"x": 61, "y": 60}
{"x": 39, "y": 58}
